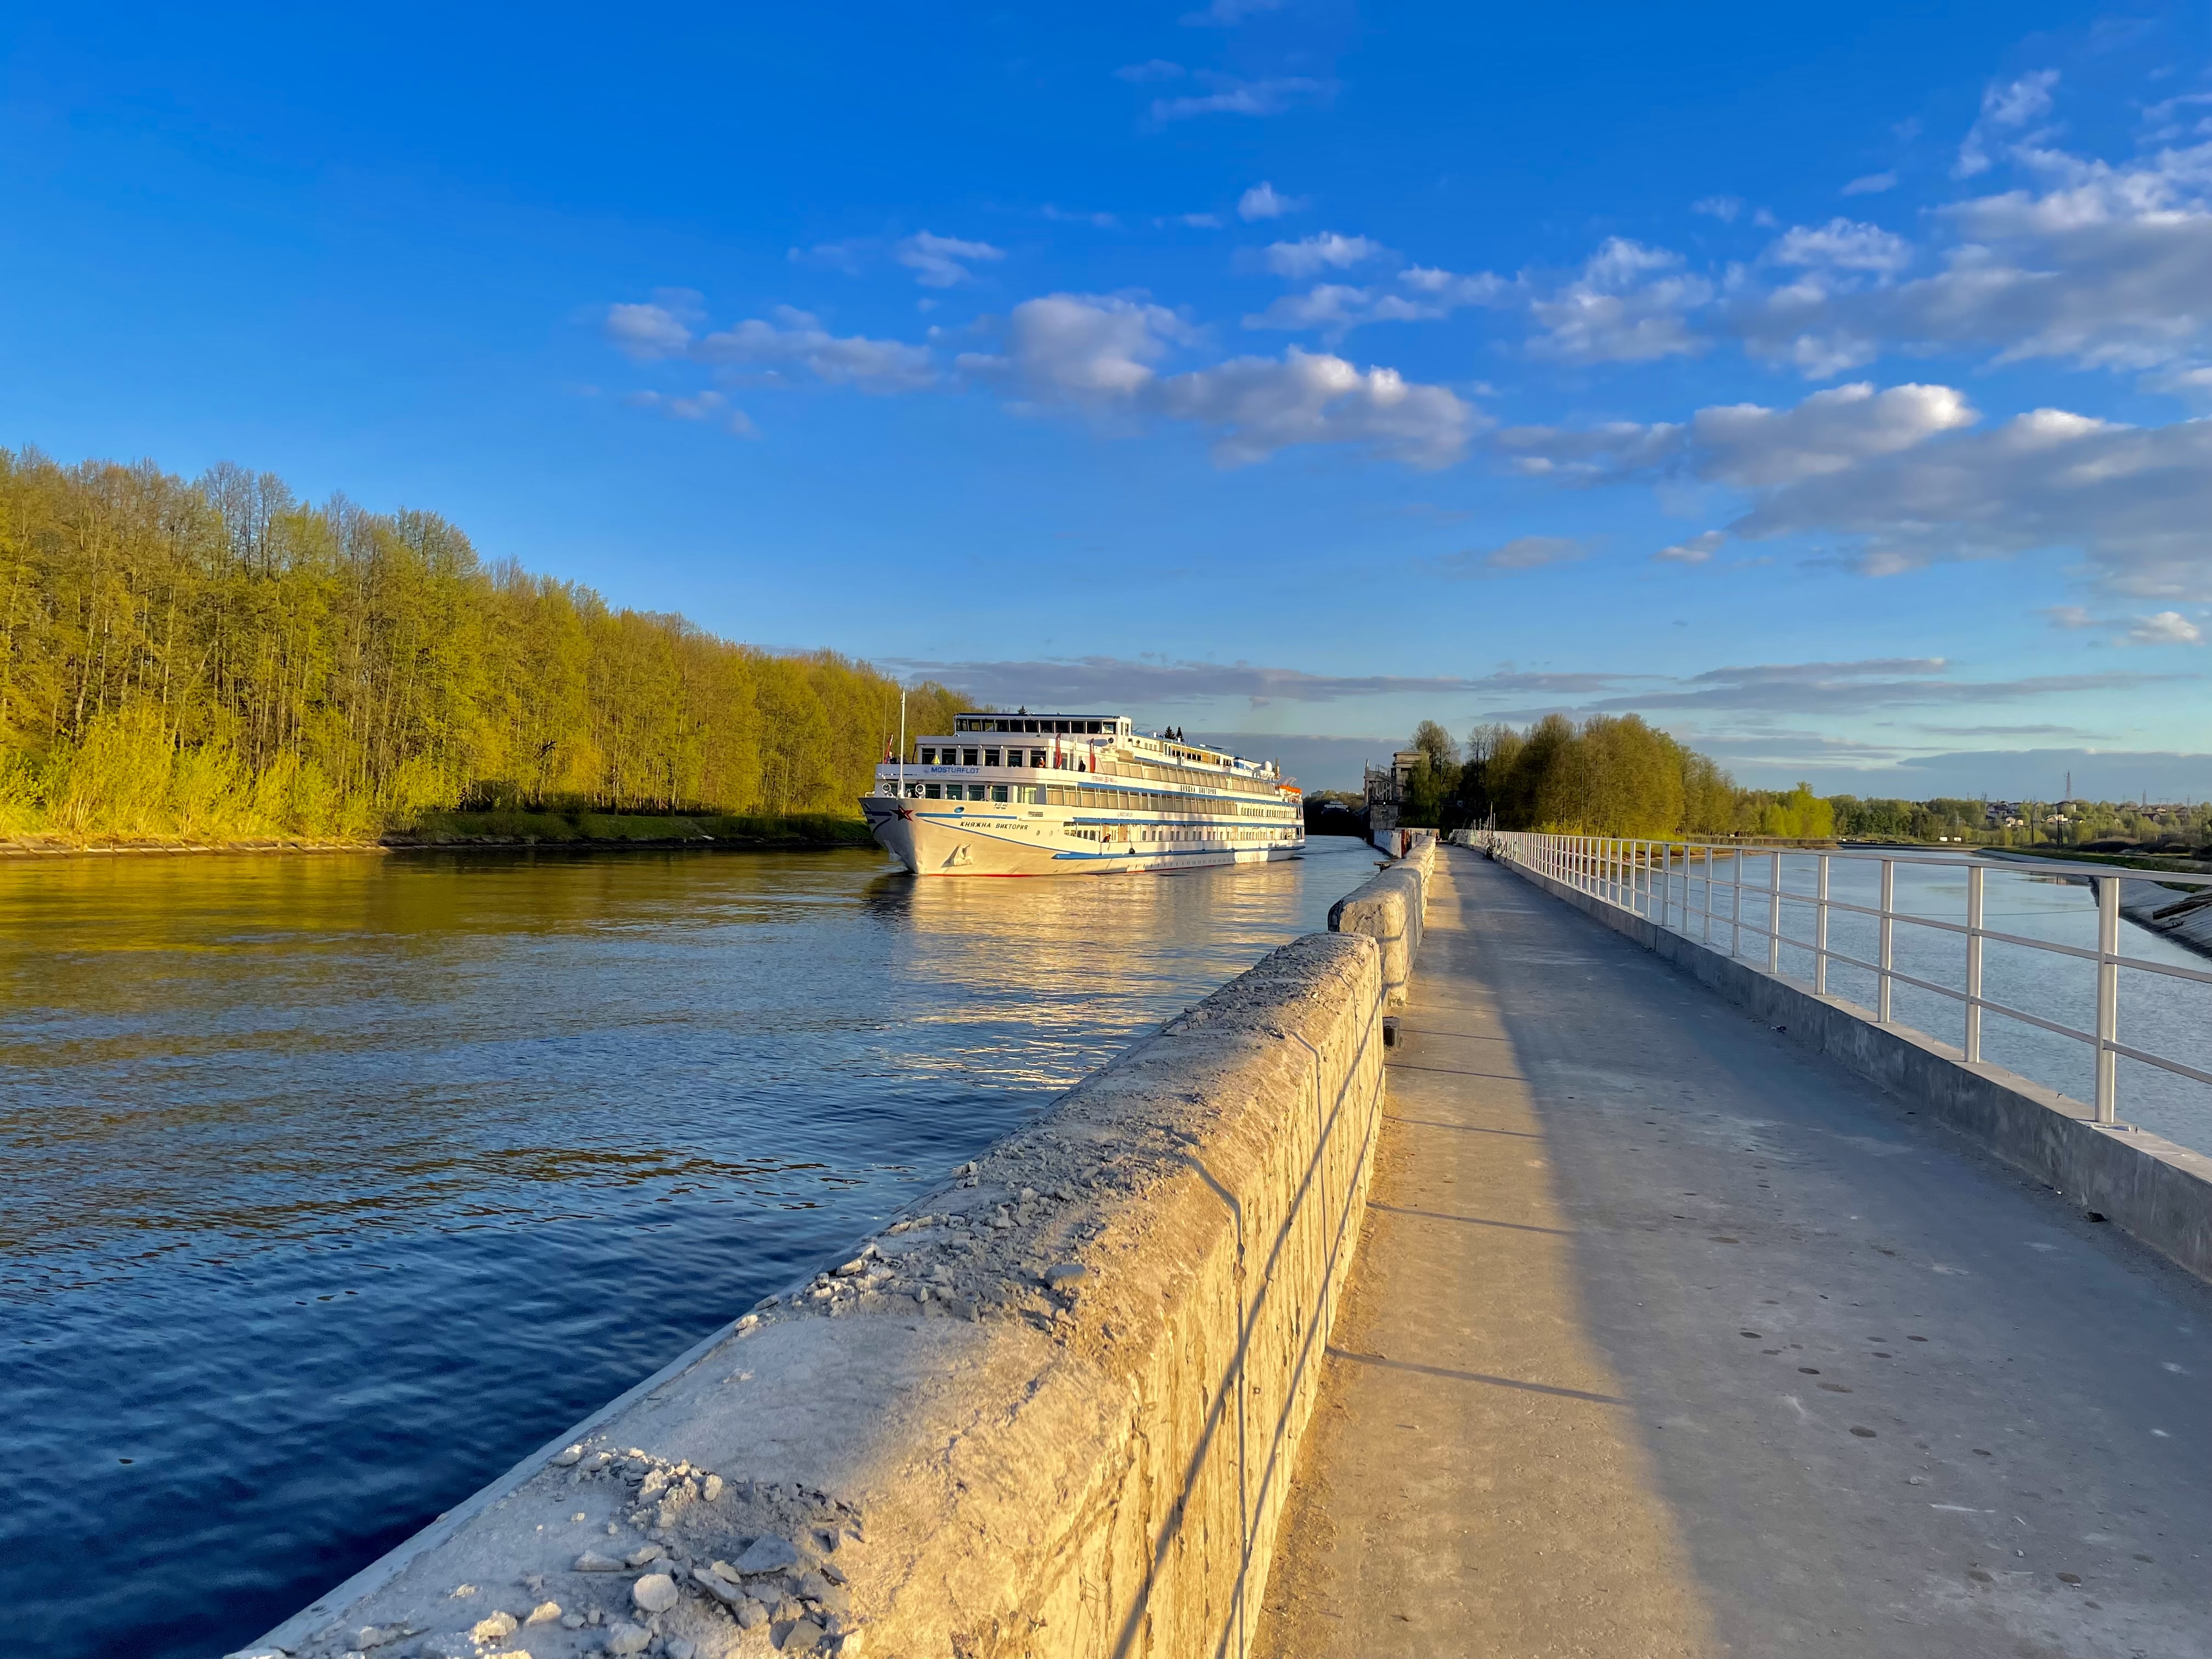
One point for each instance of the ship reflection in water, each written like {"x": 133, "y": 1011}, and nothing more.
{"x": 336, "y": 1183}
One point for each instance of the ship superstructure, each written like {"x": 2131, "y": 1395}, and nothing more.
{"x": 1025, "y": 795}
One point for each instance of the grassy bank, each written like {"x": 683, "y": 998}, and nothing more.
{"x": 520, "y": 827}
{"x": 501, "y": 828}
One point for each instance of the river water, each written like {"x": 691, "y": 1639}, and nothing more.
{"x": 2159, "y": 1013}
{"x": 334, "y": 1184}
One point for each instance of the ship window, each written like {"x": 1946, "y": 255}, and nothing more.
{"x": 968, "y": 757}
{"x": 935, "y": 791}
{"x": 1092, "y": 727}
{"x": 1037, "y": 758}
{"x": 929, "y": 757}
{"x": 1028, "y": 725}
{"x": 997, "y": 792}
{"x": 990, "y": 757}
{"x": 975, "y": 791}
{"x": 914, "y": 790}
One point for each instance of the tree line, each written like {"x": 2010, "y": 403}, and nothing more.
{"x": 1606, "y": 775}
{"x": 216, "y": 659}
{"x": 1617, "y": 775}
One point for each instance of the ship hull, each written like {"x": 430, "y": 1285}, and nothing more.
{"x": 933, "y": 838}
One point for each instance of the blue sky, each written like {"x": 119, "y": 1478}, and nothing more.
{"x": 1828, "y": 383}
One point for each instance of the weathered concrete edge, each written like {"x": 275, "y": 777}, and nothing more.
{"x": 2148, "y": 1185}
{"x": 395, "y": 1560}
{"x": 1210, "y": 1113}
{"x": 1391, "y": 909}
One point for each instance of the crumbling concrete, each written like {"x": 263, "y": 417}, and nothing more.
{"x": 1053, "y": 1410}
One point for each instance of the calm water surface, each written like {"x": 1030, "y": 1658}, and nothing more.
{"x": 334, "y": 1184}
{"x": 2159, "y": 1013}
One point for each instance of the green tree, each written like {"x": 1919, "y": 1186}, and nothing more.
{"x": 218, "y": 659}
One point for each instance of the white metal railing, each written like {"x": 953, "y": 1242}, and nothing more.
{"x": 1655, "y": 879}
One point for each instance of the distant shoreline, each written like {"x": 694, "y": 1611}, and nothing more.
{"x": 506, "y": 831}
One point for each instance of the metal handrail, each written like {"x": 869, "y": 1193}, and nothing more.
{"x": 1638, "y": 875}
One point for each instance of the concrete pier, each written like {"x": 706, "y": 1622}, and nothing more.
{"x": 1670, "y": 1337}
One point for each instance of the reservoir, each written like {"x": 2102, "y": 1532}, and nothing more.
{"x": 336, "y": 1183}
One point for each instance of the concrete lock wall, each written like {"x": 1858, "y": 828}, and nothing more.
{"x": 1053, "y": 1410}
{"x": 1389, "y": 910}
{"x": 2148, "y": 1185}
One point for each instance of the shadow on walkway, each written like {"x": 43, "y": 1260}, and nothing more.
{"x": 1668, "y": 1338}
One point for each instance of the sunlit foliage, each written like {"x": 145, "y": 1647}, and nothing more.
{"x": 217, "y": 659}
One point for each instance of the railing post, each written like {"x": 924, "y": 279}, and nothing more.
{"x": 1821, "y": 932}
{"x": 1774, "y": 910}
{"x": 1707, "y": 861}
{"x": 2108, "y": 999}
{"x": 1735, "y": 901}
{"x": 1888, "y": 939}
{"x": 1666, "y": 881}
{"x": 1973, "y": 1044}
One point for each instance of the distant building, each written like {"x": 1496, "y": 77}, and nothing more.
{"x": 1387, "y": 789}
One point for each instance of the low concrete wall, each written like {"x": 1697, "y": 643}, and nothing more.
{"x": 1390, "y": 909}
{"x": 1051, "y": 1411}
{"x": 2143, "y": 1184}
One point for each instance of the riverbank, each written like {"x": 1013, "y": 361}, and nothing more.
{"x": 793, "y": 832}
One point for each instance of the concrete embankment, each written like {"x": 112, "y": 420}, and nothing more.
{"x": 1389, "y": 910}
{"x": 2182, "y": 913}
{"x": 1053, "y": 1409}
{"x": 2147, "y": 1185}
{"x": 2183, "y": 917}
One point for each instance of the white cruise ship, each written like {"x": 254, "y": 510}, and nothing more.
{"x": 1077, "y": 794}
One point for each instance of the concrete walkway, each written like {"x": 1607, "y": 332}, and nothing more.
{"x": 1666, "y": 1338}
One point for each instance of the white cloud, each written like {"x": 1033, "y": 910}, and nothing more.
{"x": 2104, "y": 267}
{"x": 661, "y": 329}
{"x": 943, "y": 261}
{"x": 698, "y": 406}
{"x": 798, "y": 340}
{"x": 1843, "y": 244}
{"x": 1748, "y": 446}
{"x": 1418, "y": 295}
{"x": 1260, "y": 404}
{"x": 1872, "y": 184}
{"x": 2161, "y": 628}
{"x": 1264, "y": 201}
{"x": 1629, "y": 305}
{"x": 1092, "y": 352}
{"x": 2005, "y": 109}
{"x": 1155, "y": 69}
{"x": 1755, "y": 447}
{"x": 1590, "y": 454}
{"x": 1898, "y": 479}
{"x": 2166, "y": 628}
{"x": 1325, "y": 251}
{"x": 1723, "y": 208}
{"x": 1101, "y": 353}
{"x": 1230, "y": 96}
{"x": 2137, "y": 501}
{"x": 1696, "y": 550}
{"x": 1197, "y": 220}
{"x": 1065, "y": 217}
